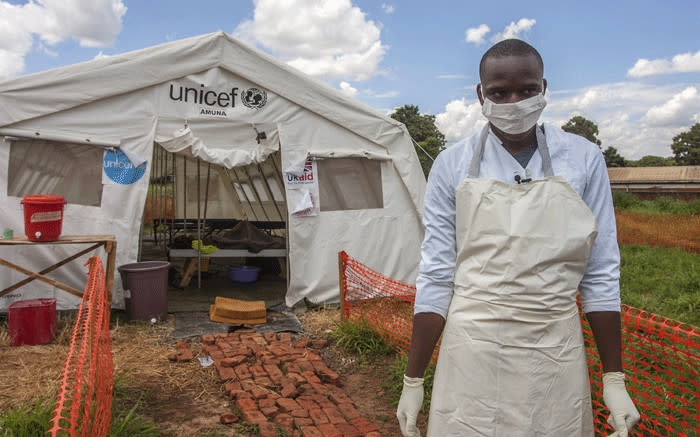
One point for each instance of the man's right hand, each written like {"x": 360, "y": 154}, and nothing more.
{"x": 409, "y": 405}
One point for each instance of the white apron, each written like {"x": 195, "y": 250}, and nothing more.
{"x": 512, "y": 360}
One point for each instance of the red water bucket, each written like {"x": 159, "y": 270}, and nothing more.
{"x": 43, "y": 216}
{"x": 32, "y": 321}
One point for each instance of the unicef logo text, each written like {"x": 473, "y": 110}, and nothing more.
{"x": 120, "y": 170}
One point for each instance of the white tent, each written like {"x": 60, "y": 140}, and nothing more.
{"x": 88, "y": 131}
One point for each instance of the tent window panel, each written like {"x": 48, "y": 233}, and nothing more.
{"x": 350, "y": 183}
{"x": 258, "y": 184}
{"x": 73, "y": 171}
{"x": 248, "y": 192}
{"x": 275, "y": 188}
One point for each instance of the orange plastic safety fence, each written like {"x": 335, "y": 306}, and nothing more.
{"x": 667, "y": 230}
{"x": 84, "y": 405}
{"x": 662, "y": 356}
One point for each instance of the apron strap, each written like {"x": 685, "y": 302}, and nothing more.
{"x": 475, "y": 163}
{"x": 478, "y": 153}
{"x": 544, "y": 152}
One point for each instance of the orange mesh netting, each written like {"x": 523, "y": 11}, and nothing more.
{"x": 84, "y": 405}
{"x": 661, "y": 356}
{"x": 668, "y": 230}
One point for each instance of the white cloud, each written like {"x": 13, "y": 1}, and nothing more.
{"x": 389, "y": 9}
{"x": 677, "y": 111}
{"x": 92, "y": 23}
{"x": 682, "y": 63}
{"x": 101, "y": 55}
{"x": 461, "y": 118}
{"x": 636, "y": 118}
{"x": 476, "y": 34}
{"x": 514, "y": 30}
{"x": 348, "y": 89}
{"x": 330, "y": 39}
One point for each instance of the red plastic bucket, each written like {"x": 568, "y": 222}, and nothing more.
{"x": 32, "y": 321}
{"x": 43, "y": 216}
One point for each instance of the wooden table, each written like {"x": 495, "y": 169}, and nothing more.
{"x": 109, "y": 242}
{"x": 191, "y": 265}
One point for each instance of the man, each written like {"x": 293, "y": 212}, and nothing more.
{"x": 517, "y": 219}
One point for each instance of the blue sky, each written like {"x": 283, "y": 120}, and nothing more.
{"x": 633, "y": 67}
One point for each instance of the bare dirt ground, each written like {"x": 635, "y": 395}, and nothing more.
{"x": 184, "y": 399}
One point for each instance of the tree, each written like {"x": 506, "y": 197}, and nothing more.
{"x": 613, "y": 158}
{"x": 652, "y": 161}
{"x": 422, "y": 129}
{"x": 686, "y": 146}
{"x": 581, "y": 126}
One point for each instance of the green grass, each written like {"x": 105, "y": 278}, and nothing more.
{"x": 23, "y": 421}
{"x": 661, "y": 280}
{"x": 662, "y": 205}
{"x": 359, "y": 338}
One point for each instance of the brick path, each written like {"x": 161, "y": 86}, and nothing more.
{"x": 278, "y": 384}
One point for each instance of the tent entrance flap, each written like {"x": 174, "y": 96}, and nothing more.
{"x": 225, "y": 143}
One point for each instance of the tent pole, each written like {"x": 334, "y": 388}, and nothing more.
{"x": 184, "y": 193}
{"x": 238, "y": 179}
{"x": 164, "y": 191}
{"x": 266, "y": 185}
{"x": 174, "y": 188}
{"x": 206, "y": 192}
{"x": 151, "y": 195}
{"x": 255, "y": 193}
{"x": 199, "y": 229}
{"x": 160, "y": 190}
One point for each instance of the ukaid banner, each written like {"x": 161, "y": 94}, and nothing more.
{"x": 213, "y": 94}
{"x": 119, "y": 168}
{"x": 302, "y": 191}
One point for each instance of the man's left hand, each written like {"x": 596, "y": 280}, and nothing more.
{"x": 623, "y": 413}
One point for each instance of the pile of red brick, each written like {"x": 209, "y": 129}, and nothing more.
{"x": 280, "y": 385}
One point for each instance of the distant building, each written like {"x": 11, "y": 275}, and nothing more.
{"x": 682, "y": 182}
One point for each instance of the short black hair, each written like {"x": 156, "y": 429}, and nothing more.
{"x": 510, "y": 47}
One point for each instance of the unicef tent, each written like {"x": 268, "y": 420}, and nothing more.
{"x": 350, "y": 178}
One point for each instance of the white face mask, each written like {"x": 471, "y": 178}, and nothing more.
{"x": 514, "y": 118}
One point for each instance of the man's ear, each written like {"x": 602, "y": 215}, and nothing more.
{"x": 478, "y": 93}
{"x": 544, "y": 85}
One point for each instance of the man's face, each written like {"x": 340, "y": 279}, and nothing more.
{"x": 510, "y": 79}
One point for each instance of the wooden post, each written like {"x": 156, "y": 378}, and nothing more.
{"x": 341, "y": 284}
{"x": 111, "y": 249}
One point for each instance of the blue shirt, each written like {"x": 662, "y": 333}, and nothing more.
{"x": 578, "y": 160}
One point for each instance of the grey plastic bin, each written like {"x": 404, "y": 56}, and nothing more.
{"x": 148, "y": 285}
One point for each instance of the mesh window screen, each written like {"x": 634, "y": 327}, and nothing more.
{"x": 73, "y": 171}
{"x": 350, "y": 183}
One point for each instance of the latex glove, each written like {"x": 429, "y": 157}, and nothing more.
{"x": 409, "y": 405}
{"x": 623, "y": 413}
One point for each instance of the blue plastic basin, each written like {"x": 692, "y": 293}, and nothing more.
{"x": 243, "y": 273}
